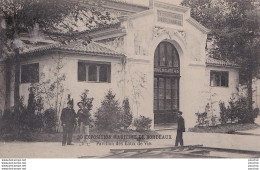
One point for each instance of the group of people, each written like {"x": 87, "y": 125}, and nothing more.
{"x": 70, "y": 120}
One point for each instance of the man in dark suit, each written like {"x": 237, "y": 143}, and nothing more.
{"x": 180, "y": 129}
{"x": 68, "y": 119}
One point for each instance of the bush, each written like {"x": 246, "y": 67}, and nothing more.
{"x": 243, "y": 113}
{"x": 50, "y": 120}
{"x": 202, "y": 119}
{"x": 19, "y": 123}
{"x": 108, "y": 115}
{"x": 237, "y": 111}
{"x": 142, "y": 123}
{"x": 127, "y": 116}
{"x": 223, "y": 113}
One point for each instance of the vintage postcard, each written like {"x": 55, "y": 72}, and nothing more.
{"x": 129, "y": 79}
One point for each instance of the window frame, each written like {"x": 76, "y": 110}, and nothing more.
{"x": 98, "y": 65}
{"x": 29, "y": 69}
{"x": 220, "y": 74}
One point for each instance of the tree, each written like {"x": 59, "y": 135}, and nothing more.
{"x": 51, "y": 17}
{"x": 127, "y": 116}
{"x": 109, "y": 114}
{"x": 235, "y": 34}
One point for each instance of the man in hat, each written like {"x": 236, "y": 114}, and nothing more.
{"x": 68, "y": 119}
{"x": 83, "y": 122}
{"x": 180, "y": 129}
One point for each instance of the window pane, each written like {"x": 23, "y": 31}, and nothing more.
{"x": 168, "y": 94}
{"x": 162, "y": 54}
{"x": 155, "y": 81}
{"x": 34, "y": 70}
{"x": 169, "y": 54}
{"x": 161, "y": 104}
{"x": 155, "y": 93}
{"x": 219, "y": 78}
{"x": 81, "y": 71}
{"x": 168, "y": 83}
{"x": 103, "y": 73}
{"x": 92, "y": 73}
{"x": 155, "y": 104}
{"x": 168, "y": 105}
{"x": 30, "y": 73}
{"x": 161, "y": 93}
{"x": 156, "y": 57}
{"x": 175, "y": 58}
{"x": 175, "y": 104}
{"x": 161, "y": 82}
{"x": 25, "y": 74}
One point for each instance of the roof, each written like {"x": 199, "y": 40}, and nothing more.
{"x": 216, "y": 62}
{"x": 92, "y": 47}
{"x": 198, "y": 25}
{"x": 76, "y": 46}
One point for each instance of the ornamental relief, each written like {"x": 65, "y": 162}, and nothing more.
{"x": 157, "y": 31}
{"x": 142, "y": 39}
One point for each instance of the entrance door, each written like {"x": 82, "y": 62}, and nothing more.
{"x": 166, "y": 83}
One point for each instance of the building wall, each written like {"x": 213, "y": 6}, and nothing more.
{"x": 72, "y": 86}
{"x": 222, "y": 94}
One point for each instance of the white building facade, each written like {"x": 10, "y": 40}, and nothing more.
{"x": 156, "y": 57}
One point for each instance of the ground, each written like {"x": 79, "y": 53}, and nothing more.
{"x": 246, "y": 140}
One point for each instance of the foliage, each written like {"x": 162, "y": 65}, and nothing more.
{"x": 223, "y": 113}
{"x": 235, "y": 32}
{"x": 108, "y": 115}
{"x": 50, "y": 120}
{"x": 142, "y": 123}
{"x": 127, "y": 115}
{"x": 202, "y": 119}
{"x": 236, "y": 111}
{"x": 87, "y": 102}
{"x": 18, "y": 125}
{"x": 53, "y": 17}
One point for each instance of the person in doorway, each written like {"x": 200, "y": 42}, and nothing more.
{"x": 180, "y": 129}
{"x": 68, "y": 119}
{"x": 83, "y": 122}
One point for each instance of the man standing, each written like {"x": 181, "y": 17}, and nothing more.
{"x": 83, "y": 122}
{"x": 68, "y": 119}
{"x": 180, "y": 129}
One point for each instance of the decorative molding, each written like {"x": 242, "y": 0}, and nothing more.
{"x": 157, "y": 31}
{"x": 171, "y": 7}
{"x": 197, "y": 25}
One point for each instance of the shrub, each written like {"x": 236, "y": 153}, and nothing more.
{"x": 202, "y": 119}
{"x": 142, "y": 123}
{"x": 237, "y": 111}
{"x": 223, "y": 113}
{"x": 108, "y": 115}
{"x": 243, "y": 113}
{"x": 127, "y": 116}
{"x": 50, "y": 120}
{"x": 19, "y": 123}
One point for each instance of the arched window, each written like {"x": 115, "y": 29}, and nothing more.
{"x": 166, "y": 55}
{"x": 166, "y": 83}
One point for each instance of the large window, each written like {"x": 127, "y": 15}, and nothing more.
{"x": 166, "y": 93}
{"x": 218, "y": 78}
{"x": 166, "y": 55}
{"x": 94, "y": 71}
{"x": 30, "y": 73}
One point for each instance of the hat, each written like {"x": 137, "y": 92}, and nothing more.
{"x": 79, "y": 103}
{"x": 70, "y": 102}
